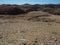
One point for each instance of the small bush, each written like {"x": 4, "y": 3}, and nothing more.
{"x": 11, "y": 10}
{"x": 15, "y": 11}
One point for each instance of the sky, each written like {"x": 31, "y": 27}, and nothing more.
{"x": 29, "y": 1}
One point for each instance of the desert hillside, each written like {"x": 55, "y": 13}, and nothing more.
{"x": 30, "y": 24}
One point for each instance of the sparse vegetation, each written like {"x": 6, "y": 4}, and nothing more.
{"x": 20, "y": 9}
{"x": 29, "y": 24}
{"x": 11, "y": 10}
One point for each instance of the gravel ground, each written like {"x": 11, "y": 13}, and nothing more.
{"x": 26, "y": 30}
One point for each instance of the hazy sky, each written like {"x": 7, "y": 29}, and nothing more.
{"x": 29, "y": 1}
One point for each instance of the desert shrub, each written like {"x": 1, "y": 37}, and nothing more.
{"x": 12, "y": 10}
{"x": 52, "y": 11}
{"x": 15, "y": 11}
{"x": 55, "y": 13}
{"x": 20, "y": 9}
{"x": 48, "y": 9}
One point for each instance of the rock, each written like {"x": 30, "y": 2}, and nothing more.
{"x": 1, "y": 36}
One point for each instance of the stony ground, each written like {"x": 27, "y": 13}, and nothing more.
{"x": 34, "y": 28}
